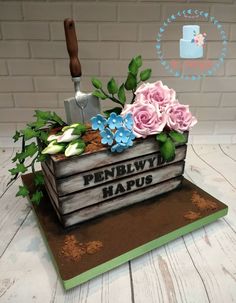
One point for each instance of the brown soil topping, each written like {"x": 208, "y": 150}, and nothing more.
{"x": 74, "y": 250}
{"x": 93, "y": 141}
{"x": 203, "y": 203}
{"x": 191, "y": 215}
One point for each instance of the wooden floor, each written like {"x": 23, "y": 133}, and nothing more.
{"x": 199, "y": 267}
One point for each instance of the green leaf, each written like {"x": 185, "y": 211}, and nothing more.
{"x": 131, "y": 82}
{"x": 162, "y": 137}
{"x": 41, "y": 158}
{"x": 37, "y": 197}
{"x": 57, "y": 119}
{"x": 116, "y": 110}
{"x": 30, "y": 150}
{"x": 145, "y": 74}
{"x": 29, "y": 133}
{"x": 112, "y": 86}
{"x": 20, "y": 168}
{"x": 42, "y": 115}
{"x": 43, "y": 135}
{"x": 121, "y": 94}
{"x": 138, "y": 61}
{"x": 37, "y": 124}
{"x": 38, "y": 179}
{"x": 16, "y": 136}
{"x": 17, "y": 157}
{"x": 177, "y": 137}
{"x": 79, "y": 129}
{"x": 23, "y": 191}
{"x": 96, "y": 83}
{"x": 133, "y": 67}
{"x": 167, "y": 150}
{"x": 99, "y": 94}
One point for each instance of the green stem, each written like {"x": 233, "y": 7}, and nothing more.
{"x": 132, "y": 101}
{"x": 112, "y": 98}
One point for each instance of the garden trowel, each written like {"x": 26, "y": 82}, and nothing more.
{"x": 82, "y": 106}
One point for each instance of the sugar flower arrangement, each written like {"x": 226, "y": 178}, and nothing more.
{"x": 199, "y": 39}
{"x": 154, "y": 110}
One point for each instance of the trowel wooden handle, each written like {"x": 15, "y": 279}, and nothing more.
{"x": 72, "y": 47}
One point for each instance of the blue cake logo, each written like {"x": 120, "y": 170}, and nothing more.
{"x": 192, "y": 44}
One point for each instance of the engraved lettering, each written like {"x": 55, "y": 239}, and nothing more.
{"x": 107, "y": 192}
{"x": 130, "y": 184}
{"x": 109, "y": 173}
{"x": 120, "y": 170}
{"x": 98, "y": 177}
{"x": 140, "y": 165}
{"x": 120, "y": 189}
{"x": 87, "y": 179}
{"x": 151, "y": 162}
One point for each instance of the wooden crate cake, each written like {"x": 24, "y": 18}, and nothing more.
{"x": 86, "y": 186}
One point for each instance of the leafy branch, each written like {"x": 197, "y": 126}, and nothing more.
{"x": 38, "y": 129}
{"x": 117, "y": 93}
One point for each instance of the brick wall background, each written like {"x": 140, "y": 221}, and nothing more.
{"x": 34, "y": 63}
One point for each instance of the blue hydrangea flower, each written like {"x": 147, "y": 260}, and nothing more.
{"x": 114, "y": 121}
{"x": 107, "y": 136}
{"x": 122, "y": 135}
{"x": 130, "y": 140}
{"x": 128, "y": 121}
{"x": 98, "y": 122}
{"x": 119, "y": 147}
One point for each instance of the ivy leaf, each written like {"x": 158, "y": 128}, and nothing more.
{"x": 42, "y": 115}
{"x": 57, "y": 119}
{"x": 121, "y": 94}
{"x": 96, "y": 83}
{"x": 29, "y": 133}
{"x": 23, "y": 191}
{"x": 177, "y": 137}
{"x": 167, "y": 150}
{"x": 41, "y": 158}
{"x": 16, "y": 136}
{"x": 79, "y": 129}
{"x": 131, "y": 82}
{"x": 138, "y": 61}
{"x": 112, "y": 86}
{"x": 30, "y": 149}
{"x": 145, "y": 74}
{"x": 38, "y": 179}
{"x": 37, "y": 124}
{"x": 43, "y": 135}
{"x": 116, "y": 110}
{"x": 162, "y": 137}
{"x": 20, "y": 168}
{"x": 17, "y": 157}
{"x": 37, "y": 197}
{"x": 99, "y": 94}
{"x": 133, "y": 67}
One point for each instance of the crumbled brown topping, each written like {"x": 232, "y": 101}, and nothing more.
{"x": 191, "y": 215}
{"x": 202, "y": 203}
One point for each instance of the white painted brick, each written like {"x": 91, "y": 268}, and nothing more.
{"x": 53, "y": 84}
{"x": 228, "y": 99}
{"x": 89, "y": 67}
{"x": 220, "y": 84}
{"x": 46, "y": 11}
{"x": 14, "y": 49}
{"x": 211, "y": 139}
{"x": 214, "y": 114}
{"x": 139, "y": 12}
{"x": 130, "y": 49}
{"x": 35, "y": 100}
{"x": 31, "y": 67}
{"x": 118, "y": 31}
{"x": 231, "y": 68}
{"x": 180, "y": 85}
{"x": 214, "y": 50}
{"x": 6, "y": 100}
{"x": 64, "y": 96}
{"x": 226, "y": 127}
{"x": 169, "y": 9}
{"x": 48, "y": 49}
{"x": 10, "y": 11}
{"x": 201, "y": 66}
{"x": 16, "y": 84}
{"x": 200, "y": 99}
{"x": 3, "y": 68}
{"x": 226, "y": 13}
{"x": 203, "y": 128}
{"x": 25, "y": 30}
{"x": 7, "y": 129}
{"x": 94, "y": 12}
{"x": 170, "y": 49}
{"x": 233, "y": 32}
{"x": 84, "y": 31}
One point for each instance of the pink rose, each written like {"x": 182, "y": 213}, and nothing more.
{"x": 148, "y": 119}
{"x": 179, "y": 117}
{"x": 156, "y": 93}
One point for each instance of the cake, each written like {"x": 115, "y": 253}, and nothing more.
{"x": 190, "y": 45}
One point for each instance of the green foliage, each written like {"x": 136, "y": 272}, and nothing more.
{"x": 167, "y": 150}
{"x": 133, "y": 78}
{"x": 162, "y": 137}
{"x": 39, "y": 129}
{"x": 79, "y": 129}
{"x": 177, "y": 137}
{"x": 116, "y": 110}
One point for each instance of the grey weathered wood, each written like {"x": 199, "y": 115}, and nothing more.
{"x": 75, "y": 201}
{"x": 117, "y": 203}
{"x": 62, "y": 167}
{"x": 64, "y": 186}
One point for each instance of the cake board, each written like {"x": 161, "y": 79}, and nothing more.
{"x": 123, "y": 234}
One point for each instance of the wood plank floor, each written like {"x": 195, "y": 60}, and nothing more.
{"x": 199, "y": 267}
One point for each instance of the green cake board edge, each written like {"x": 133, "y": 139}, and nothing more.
{"x": 133, "y": 253}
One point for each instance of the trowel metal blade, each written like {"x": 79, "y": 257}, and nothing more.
{"x": 74, "y": 112}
